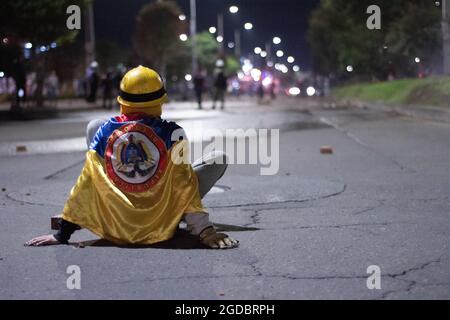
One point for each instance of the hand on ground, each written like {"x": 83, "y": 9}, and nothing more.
{"x": 46, "y": 240}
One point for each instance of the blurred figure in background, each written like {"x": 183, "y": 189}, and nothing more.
{"x": 107, "y": 90}
{"x": 220, "y": 87}
{"x": 120, "y": 72}
{"x": 51, "y": 86}
{"x": 20, "y": 78}
{"x": 199, "y": 86}
{"x": 273, "y": 94}
{"x": 260, "y": 92}
{"x": 92, "y": 82}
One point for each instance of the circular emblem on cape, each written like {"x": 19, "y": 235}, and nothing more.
{"x": 135, "y": 157}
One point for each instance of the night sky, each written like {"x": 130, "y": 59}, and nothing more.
{"x": 288, "y": 19}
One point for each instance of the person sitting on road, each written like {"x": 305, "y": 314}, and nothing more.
{"x": 137, "y": 185}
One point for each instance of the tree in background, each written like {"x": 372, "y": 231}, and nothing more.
{"x": 157, "y": 43}
{"x": 109, "y": 54}
{"x": 207, "y": 50}
{"x": 339, "y": 37}
{"x": 40, "y": 22}
{"x": 232, "y": 66}
{"x": 157, "y": 40}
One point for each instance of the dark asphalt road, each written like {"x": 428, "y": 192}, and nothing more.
{"x": 311, "y": 231}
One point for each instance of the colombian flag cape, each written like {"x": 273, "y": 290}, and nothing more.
{"x": 130, "y": 189}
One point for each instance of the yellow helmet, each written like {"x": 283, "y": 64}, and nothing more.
{"x": 142, "y": 87}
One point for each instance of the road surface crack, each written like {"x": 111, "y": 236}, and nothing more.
{"x": 24, "y": 202}
{"x": 54, "y": 174}
{"x": 411, "y": 283}
{"x": 369, "y": 209}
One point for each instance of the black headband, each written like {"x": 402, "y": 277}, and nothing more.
{"x": 143, "y": 97}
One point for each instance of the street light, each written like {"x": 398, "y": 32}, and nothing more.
{"x": 417, "y": 60}
{"x": 231, "y": 45}
{"x": 219, "y": 39}
{"x": 182, "y": 17}
{"x": 276, "y": 40}
{"x": 290, "y": 59}
{"x": 248, "y": 26}
{"x": 349, "y": 68}
{"x": 193, "y": 32}
{"x": 234, "y": 9}
{"x": 263, "y": 54}
{"x": 296, "y": 68}
{"x": 212, "y": 30}
{"x": 28, "y": 45}
{"x": 280, "y": 53}
{"x": 183, "y": 37}
{"x": 188, "y": 77}
{"x": 257, "y": 50}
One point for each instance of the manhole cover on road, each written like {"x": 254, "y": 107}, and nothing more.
{"x": 232, "y": 191}
{"x": 249, "y": 190}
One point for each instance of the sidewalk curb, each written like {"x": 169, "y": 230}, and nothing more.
{"x": 431, "y": 113}
{"x": 41, "y": 113}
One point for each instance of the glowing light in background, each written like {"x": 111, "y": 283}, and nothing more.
{"x": 294, "y": 91}
{"x": 188, "y": 77}
{"x": 234, "y": 9}
{"x": 247, "y": 66}
{"x": 281, "y": 67}
{"x": 276, "y": 40}
{"x": 267, "y": 81}
{"x": 256, "y": 74}
{"x": 310, "y": 91}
